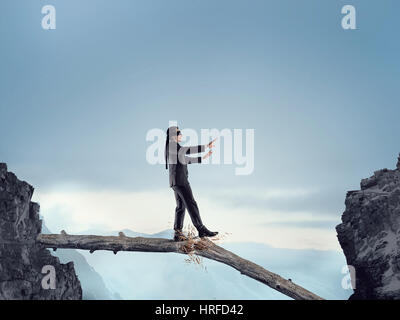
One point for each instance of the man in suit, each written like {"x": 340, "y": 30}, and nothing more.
{"x": 177, "y": 160}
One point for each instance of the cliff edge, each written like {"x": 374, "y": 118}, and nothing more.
{"x": 370, "y": 235}
{"x": 21, "y": 258}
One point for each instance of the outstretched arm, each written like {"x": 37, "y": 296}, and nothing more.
{"x": 194, "y": 149}
{"x": 199, "y": 148}
{"x": 190, "y": 160}
{"x": 177, "y": 152}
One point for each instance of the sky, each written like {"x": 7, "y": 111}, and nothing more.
{"x": 77, "y": 102}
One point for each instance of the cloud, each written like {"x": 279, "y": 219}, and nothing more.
{"x": 310, "y": 224}
{"x": 328, "y": 201}
{"x": 110, "y": 210}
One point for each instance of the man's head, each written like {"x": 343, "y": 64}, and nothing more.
{"x": 174, "y": 134}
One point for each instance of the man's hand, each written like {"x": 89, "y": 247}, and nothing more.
{"x": 211, "y": 145}
{"x": 207, "y": 155}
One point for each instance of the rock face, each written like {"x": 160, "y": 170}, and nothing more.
{"x": 21, "y": 258}
{"x": 370, "y": 235}
{"x": 93, "y": 286}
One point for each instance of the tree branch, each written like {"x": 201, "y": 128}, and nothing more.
{"x": 202, "y": 247}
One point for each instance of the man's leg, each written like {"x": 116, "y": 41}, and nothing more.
{"x": 179, "y": 212}
{"x": 186, "y": 195}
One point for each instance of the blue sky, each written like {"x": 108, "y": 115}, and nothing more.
{"x": 76, "y": 104}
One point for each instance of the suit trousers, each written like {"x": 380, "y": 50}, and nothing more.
{"x": 185, "y": 200}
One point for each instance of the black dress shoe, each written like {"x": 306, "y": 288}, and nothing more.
{"x": 179, "y": 236}
{"x": 204, "y": 232}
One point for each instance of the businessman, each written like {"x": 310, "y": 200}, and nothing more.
{"x": 177, "y": 159}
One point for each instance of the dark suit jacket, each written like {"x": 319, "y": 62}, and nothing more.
{"x": 178, "y": 161}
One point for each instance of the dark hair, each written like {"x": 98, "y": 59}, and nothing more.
{"x": 171, "y": 132}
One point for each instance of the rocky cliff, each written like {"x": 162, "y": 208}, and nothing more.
{"x": 21, "y": 258}
{"x": 370, "y": 235}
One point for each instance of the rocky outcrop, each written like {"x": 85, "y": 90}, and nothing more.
{"x": 93, "y": 286}
{"x": 21, "y": 258}
{"x": 370, "y": 235}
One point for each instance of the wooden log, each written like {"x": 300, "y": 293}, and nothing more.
{"x": 202, "y": 247}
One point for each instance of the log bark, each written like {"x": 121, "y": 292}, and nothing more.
{"x": 201, "y": 247}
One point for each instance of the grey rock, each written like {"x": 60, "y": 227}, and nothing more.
{"x": 93, "y": 286}
{"x": 398, "y": 162}
{"x": 21, "y": 258}
{"x": 370, "y": 235}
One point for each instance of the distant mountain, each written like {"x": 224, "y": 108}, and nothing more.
{"x": 93, "y": 286}
{"x": 139, "y": 275}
